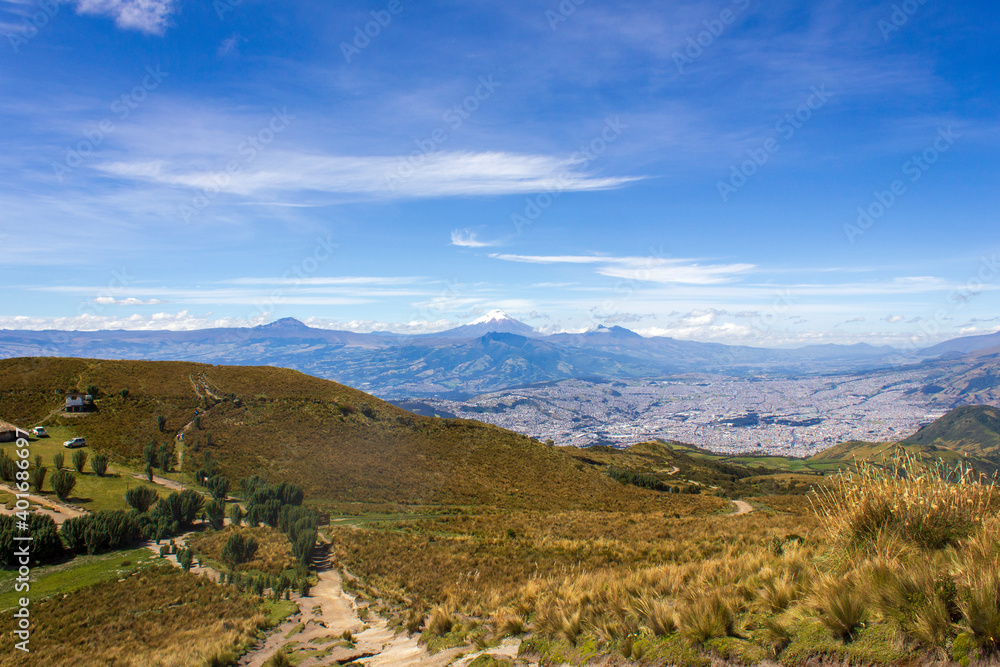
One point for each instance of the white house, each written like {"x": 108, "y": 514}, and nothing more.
{"x": 77, "y": 402}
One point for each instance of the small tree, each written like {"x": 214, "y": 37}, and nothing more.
{"x": 141, "y": 498}
{"x": 185, "y": 557}
{"x": 166, "y": 456}
{"x": 235, "y": 514}
{"x": 93, "y": 390}
{"x": 38, "y": 477}
{"x": 161, "y": 423}
{"x": 149, "y": 472}
{"x": 63, "y": 482}
{"x": 218, "y": 486}
{"x": 124, "y": 393}
{"x": 149, "y": 454}
{"x": 79, "y": 460}
{"x": 238, "y": 549}
{"x": 99, "y": 463}
{"x": 215, "y": 512}
{"x": 58, "y": 459}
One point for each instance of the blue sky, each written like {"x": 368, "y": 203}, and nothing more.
{"x": 762, "y": 173}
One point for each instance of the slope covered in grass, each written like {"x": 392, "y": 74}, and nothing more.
{"x": 342, "y": 445}
{"x": 971, "y": 429}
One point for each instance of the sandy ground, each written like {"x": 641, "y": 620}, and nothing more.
{"x": 45, "y": 505}
{"x": 742, "y": 507}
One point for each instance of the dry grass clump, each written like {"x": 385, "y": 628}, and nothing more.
{"x": 928, "y": 505}
{"x": 441, "y": 621}
{"x": 159, "y": 616}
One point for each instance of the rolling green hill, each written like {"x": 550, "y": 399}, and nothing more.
{"x": 971, "y": 429}
{"x": 969, "y": 434}
{"x": 342, "y": 445}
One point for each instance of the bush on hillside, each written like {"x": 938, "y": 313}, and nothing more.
{"x": 926, "y": 505}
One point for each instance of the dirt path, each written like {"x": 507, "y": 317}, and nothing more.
{"x": 329, "y": 619}
{"x": 742, "y": 507}
{"x": 44, "y": 505}
{"x": 163, "y": 481}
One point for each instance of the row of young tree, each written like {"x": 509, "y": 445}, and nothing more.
{"x": 152, "y": 517}
{"x": 62, "y": 480}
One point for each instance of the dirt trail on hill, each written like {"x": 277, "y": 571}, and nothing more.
{"x": 329, "y": 612}
{"x": 742, "y": 507}
{"x": 55, "y": 509}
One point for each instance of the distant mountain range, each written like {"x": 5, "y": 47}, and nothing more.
{"x": 491, "y": 353}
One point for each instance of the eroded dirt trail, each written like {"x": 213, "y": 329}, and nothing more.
{"x": 329, "y": 621}
{"x": 44, "y": 505}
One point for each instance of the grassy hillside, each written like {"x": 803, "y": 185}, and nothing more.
{"x": 342, "y": 445}
{"x": 688, "y": 469}
{"x": 972, "y": 430}
{"x": 968, "y": 435}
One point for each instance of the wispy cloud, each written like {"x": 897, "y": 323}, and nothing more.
{"x": 439, "y": 175}
{"x": 148, "y": 16}
{"x": 644, "y": 269}
{"x": 130, "y": 301}
{"x": 466, "y": 238}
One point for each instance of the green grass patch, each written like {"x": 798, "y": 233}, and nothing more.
{"x": 278, "y": 610}
{"x": 74, "y": 574}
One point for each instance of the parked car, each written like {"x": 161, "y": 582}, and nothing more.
{"x": 75, "y": 442}
{"x": 39, "y": 432}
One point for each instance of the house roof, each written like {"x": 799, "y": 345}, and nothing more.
{"x": 6, "y": 426}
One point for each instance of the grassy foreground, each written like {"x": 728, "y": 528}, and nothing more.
{"x": 896, "y": 562}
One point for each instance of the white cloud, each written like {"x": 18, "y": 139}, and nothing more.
{"x": 436, "y": 175}
{"x": 130, "y": 301}
{"x": 644, "y": 269}
{"x": 466, "y": 238}
{"x": 148, "y": 16}
{"x": 894, "y": 319}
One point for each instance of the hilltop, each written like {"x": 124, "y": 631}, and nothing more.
{"x": 972, "y": 429}
{"x": 341, "y": 444}
{"x": 969, "y": 434}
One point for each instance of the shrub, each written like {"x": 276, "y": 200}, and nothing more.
{"x": 99, "y": 464}
{"x": 235, "y": 514}
{"x": 440, "y": 622}
{"x": 58, "y": 460}
{"x": 215, "y": 512}
{"x": 218, "y": 486}
{"x": 45, "y": 543}
{"x": 979, "y": 600}
{"x": 279, "y": 659}
{"x": 106, "y": 530}
{"x": 238, "y": 550}
{"x": 165, "y": 457}
{"x": 928, "y": 505}
{"x": 161, "y": 423}
{"x": 79, "y": 460}
{"x": 841, "y": 605}
{"x": 8, "y": 468}
{"x": 180, "y": 506}
{"x": 658, "y": 616}
{"x": 919, "y": 599}
{"x": 141, "y": 497}
{"x": 38, "y": 477}
{"x": 149, "y": 473}
{"x": 63, "y": 483}
{"x": 706, "y": 617}
{"x": 149, "y": 454}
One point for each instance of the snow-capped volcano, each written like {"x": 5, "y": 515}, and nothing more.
{"x": 495, "y": 321}
{"x": 492, "y": 316}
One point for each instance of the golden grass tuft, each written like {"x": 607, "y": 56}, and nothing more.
{"x": 929, "y": 505}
